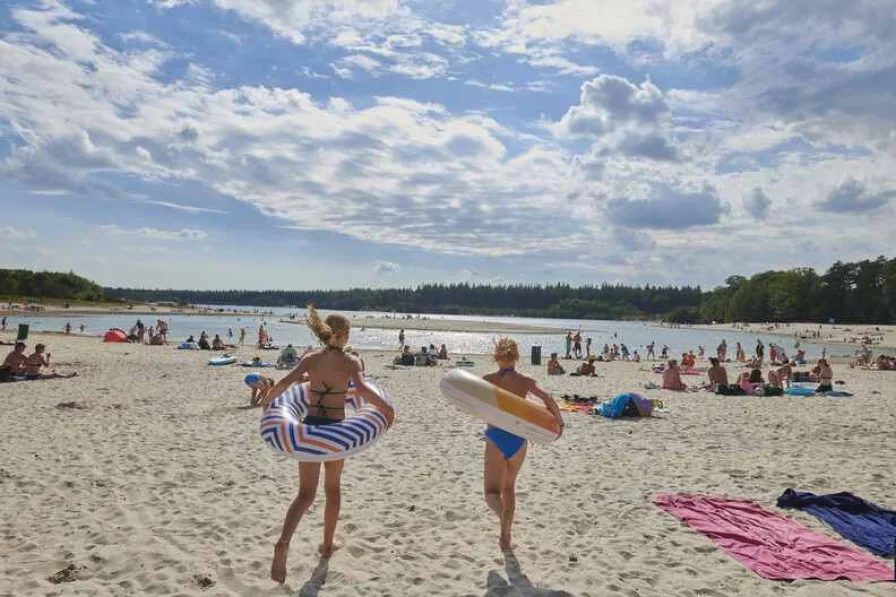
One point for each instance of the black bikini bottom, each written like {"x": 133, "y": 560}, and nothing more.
{"x": 309, "y": 420}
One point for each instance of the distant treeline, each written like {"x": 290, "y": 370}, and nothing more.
{"x": 862, "y": 292}
{"x": 23, "y": 283}
{"x": 556, "y": 301}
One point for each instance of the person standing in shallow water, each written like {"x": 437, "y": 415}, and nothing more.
{"x": 328, "y": 371}
{"x": 504, "y": 451}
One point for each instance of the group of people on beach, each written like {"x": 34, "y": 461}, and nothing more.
{"x": 425, "y": 357}
{"x": 328, "y": 371}
{"x": 18, "y": 365}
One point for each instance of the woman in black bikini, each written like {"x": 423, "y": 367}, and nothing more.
{"x": 328, "y": 371}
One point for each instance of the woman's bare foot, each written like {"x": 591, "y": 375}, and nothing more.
{"x": 278, "y": 567}
{"x": 328, "y": 550}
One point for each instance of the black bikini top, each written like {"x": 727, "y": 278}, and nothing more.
{"x": 327, "y": 391}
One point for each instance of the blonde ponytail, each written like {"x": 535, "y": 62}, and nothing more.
{"x": 506, "y": 351}
{"x": 326, "y": 330}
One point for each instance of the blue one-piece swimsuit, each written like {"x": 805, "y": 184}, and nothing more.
{"x": 508, "y": 443}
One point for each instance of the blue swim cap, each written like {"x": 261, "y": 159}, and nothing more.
{"x": 252, "y": 378}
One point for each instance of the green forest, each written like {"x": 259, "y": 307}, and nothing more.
{"x": 24, "y": 284}
{"x": 860, "y": 292}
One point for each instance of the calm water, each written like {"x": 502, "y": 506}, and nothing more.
{"x": 634, "y": 334}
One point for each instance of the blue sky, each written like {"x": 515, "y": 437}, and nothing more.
{"x": 327, "y": 144}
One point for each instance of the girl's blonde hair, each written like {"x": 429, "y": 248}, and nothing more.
{"x": 506, "y": 351}
{"x": 326, "y": 329}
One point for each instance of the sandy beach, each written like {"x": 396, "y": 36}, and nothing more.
{"x": 881, "y": 336}
{"x": 145, "y": 475}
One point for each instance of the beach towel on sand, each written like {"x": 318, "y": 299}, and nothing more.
{"x": 865, "y": 524}
{"x": 770, "y": 545}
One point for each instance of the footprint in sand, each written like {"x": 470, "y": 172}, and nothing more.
{"x": 355, "y": 551}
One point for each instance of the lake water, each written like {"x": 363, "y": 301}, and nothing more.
{"x": 636, "y": 335}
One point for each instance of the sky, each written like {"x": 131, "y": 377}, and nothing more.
{"x": 300, "y": 144}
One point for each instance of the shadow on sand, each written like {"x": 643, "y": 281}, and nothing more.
{"x": 517, "y": 583}
{"x": 318, "y": 578}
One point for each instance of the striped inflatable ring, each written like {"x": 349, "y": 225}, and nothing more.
{"x": 283, "y": 431}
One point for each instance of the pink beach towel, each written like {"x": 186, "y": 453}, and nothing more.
{"x": 771, "y": 545}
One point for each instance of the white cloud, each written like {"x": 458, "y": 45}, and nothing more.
{"x": 757, "y": 203}
{"x": 191, "y": 209}
{"x": 852, "y": 196}
{"x": 142, "y": 37}
{"x": 186, "y": 234}
{"x": 622, "y": 116}
{"x": 383, "y": 267}
{"x": 16, "y": 233}
{"x": 667, "y": 208}
{"x": 611, "y": 23}
{"x": 563, "y": 65}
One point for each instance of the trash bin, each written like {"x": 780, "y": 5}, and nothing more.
{"x": 23, "y": 332}
{"x": 536, "y": 355}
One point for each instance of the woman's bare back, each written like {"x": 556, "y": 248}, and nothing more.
{"x": 329, "y": 373}
{"x": 513, "y": 382}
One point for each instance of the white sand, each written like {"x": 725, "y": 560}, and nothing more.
{"x": 161, "y": 483}
{"x": 883, "y": 337}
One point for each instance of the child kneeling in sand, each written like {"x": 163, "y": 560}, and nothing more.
{"x": 505, "y": 452}
{"x": 329, "y": 371}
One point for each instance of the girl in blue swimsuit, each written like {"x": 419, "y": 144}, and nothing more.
{"x": 504, "y": 451}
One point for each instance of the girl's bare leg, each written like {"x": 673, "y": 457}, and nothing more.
{"x": 493, "y": 477}
{"x": 508, "y": 495}
{"x": 309, "y": 474}
{"x": 332, "y": 488}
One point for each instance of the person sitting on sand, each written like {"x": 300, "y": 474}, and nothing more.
{"x": 203, "y": 342}
{"x": 636, "y": 358}
{"x": 745, "y": 384}
{"x": 289, "y": 357}
{"x": 781, "y": 377}
{"x": 754, "y": 381}
{"x": 824, "y": 375}
{"x": 504, "y": 451}
{"x": 554, "y": 366}
{"x": 443, "y": 353}
{"x": 14, "y": 364}
{"x": 587, "y": 368}
{"x": 686, "y": 362}
{"x": 37, "y": 361}
{"x": 328, "y": 370}
{"x": 217, "y": 343}
{"x": 406, "y": 358}
{"x": 718, "y": 375}
{"x": 672, "y": 377}
{"x": 884, "y": 363}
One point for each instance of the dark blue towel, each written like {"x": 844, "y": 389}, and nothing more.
{"x": 863, "y": 523}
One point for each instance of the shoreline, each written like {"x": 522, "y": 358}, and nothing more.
{"x": 443, "y": 325}
{"x": 883, "y": 336}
